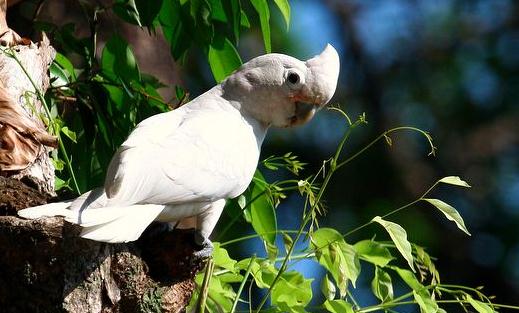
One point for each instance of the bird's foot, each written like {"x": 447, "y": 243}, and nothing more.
{"x": 205, "y": 245}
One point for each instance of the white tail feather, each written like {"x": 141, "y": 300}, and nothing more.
{"x": 111, "y": 224}
{"x": 51, "y": 209}
{"x": 127, "y": 225}
{"x": 93, "y": 199}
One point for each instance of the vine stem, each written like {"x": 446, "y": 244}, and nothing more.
{"x": 385, "y": 135}
{"x": 40, "y": 96}
{"x": 240, "y": 289}
{"x": 394, "y": 211}
{"x": 204, "y": 290}
{"x": 308, "y": 216}
{"x": 388, "y": 305}
{"x": 383, "y": 216}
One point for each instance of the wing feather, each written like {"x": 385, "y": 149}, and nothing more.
{"x": 191, "y": 156}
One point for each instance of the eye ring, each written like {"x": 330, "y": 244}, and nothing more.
{"x": 293, "y": 78}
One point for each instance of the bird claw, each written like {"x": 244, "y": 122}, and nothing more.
{"x": 205, "y": 245}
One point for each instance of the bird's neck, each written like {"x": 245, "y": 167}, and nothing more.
{"x": 218, "y": 101}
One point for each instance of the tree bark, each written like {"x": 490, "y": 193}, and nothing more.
{"x": 24, "y": 152}
{"x": 45, "y": 266}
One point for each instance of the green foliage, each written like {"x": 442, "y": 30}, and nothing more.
{"x": 289, "y": 291}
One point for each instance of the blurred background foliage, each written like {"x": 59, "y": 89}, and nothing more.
{"x": 450, "y": 67}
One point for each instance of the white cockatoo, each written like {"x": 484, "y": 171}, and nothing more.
{"x": 182, "y": 165}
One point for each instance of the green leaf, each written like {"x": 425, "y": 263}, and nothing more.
{"x": 338, "y": 257}
{"x": 424, "y": 300}
{"x": 381, "y": 285}
{"x": 399, "y": 237}
{"x": 454, "y": 180}
{"x": 65, "y": 63}
{"x": 59, "y": 165}
{"x": 373, "y": 252}
{"x": 449, "y": 212}
{"x": 261, "y": 210}
{"x": 148, "y": 11}
{"x": 236, "y": 19}
{"x": 223, "y": 59}
{"x": 175, "y": 27}
{"x": 408, "y": 277}
{"x": 60, "y": 183}
{"x": 479, "y": 306}
{"x": 338, "y": 306}
{"x": 222, "y": 293}
{"x": 287, "y": 241}
{"x": 117, "y": 60}
{"x": 328, "y": 288}
{"x": 284, "y": 7}
{"x": 69, "y": 133}
{"x": 262, "y": 7}
{"x": 218, "y": 11}
{"x": 127, "y": 10}
{"x": 292, "y": 292}
{"x": 221, "y": 258}
{"x": 244, "y": 20}
{"x": 58, "y": 75}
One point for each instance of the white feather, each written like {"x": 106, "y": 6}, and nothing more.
{"x": 51, "y": 209}
{"x": 123, "y": 225}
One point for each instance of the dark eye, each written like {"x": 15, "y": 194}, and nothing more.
{"x": 293, "y": 78}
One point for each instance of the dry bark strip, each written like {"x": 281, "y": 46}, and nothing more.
{"x": 23, "y": 138}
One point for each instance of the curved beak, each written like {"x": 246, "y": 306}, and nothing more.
{"x": 323, "y": 75}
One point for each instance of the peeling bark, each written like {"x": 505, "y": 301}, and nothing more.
{"x": 22, "y": 134}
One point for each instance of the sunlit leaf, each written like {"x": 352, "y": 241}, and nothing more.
{"x": 69, "y": 133}
{"x": 221, "y": 258}
{"x": 261, "y": 211}
{"x": 479, "y": 306}
{"x": 287, "y": 241}
{"x": 454, "y": 180}
{"x": 284, "y": 7}
{"x": 381, "y": 285}
{"x": 399, "y": 237}
{"x": 338, "y": 257}
{"x": 292, "y": 292}
{"x": 373, "y": 252}
{"x": 58, "y": 76}
{"x": 262, "y": 7}
{"x": 338, "y": 306}
{"x": 408, "y": 277}
{"x": 423, "y": 298}
{"x": 60, "y": 183}
{"x": 449, "y": 212}
{"x": 223, "y": 59}
{"x": 328, "y": 288}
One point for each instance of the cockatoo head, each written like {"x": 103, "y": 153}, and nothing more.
{"x": 283, "y": 91}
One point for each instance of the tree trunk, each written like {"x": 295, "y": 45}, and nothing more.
{"x": 45, "y": 266}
